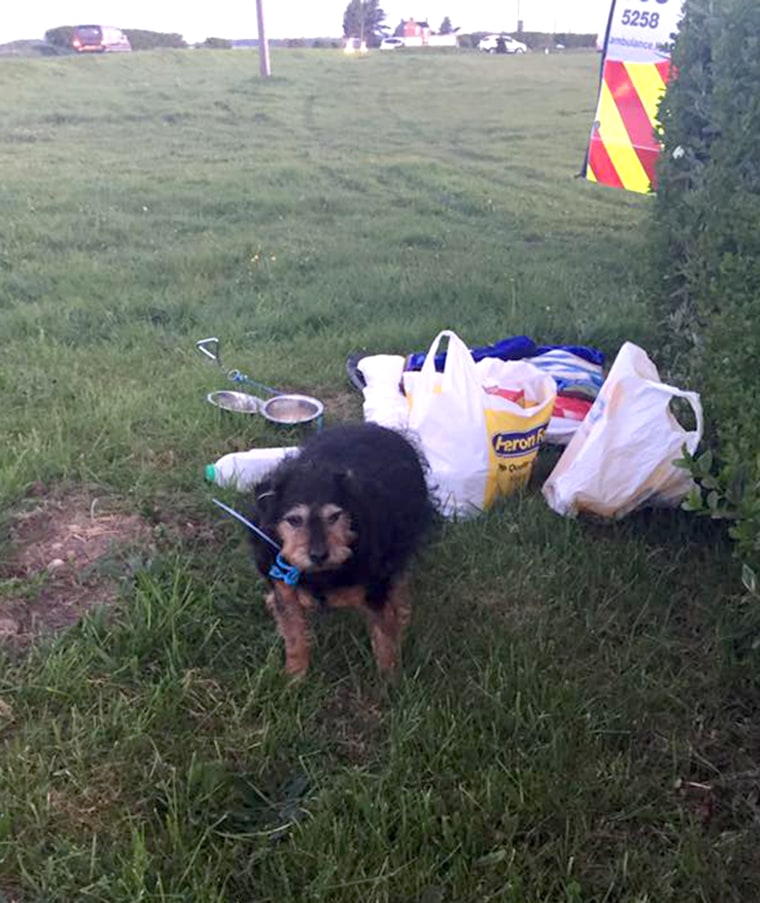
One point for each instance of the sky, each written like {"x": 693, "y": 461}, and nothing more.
{"x": 294, "y": 18}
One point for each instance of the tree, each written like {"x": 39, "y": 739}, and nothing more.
{"x": 364, "y": 19}
{"x": 446, "y": 27}
{"x": 60, "y": 36}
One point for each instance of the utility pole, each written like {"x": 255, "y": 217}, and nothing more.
{"x": 264, "y": 67}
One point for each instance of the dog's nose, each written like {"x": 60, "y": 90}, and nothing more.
{"x": 318, "y": 556}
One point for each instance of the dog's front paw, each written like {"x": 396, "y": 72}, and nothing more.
{"x": 296, "y": 668}
{"x": 386, "y": 652}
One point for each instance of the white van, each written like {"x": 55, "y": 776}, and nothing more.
{"x": 99, "y": 39}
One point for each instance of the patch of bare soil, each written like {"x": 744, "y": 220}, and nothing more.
{"x": 343, "y": 406}
{"x": 353, "y": 721}
{"x": 68, "y": 553}
{"x": 10, "y": 894}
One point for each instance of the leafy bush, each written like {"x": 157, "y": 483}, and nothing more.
{"x": 151, "y": 40}
{"x": 708, "y": 249}
{"x": 538, "y": 40}
{"x": 576, "y": 41}
{"x": 217, "y": 44}
{"x": 60, "y": 36}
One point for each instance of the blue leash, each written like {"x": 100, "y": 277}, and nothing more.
{"x": 280, "y": 570}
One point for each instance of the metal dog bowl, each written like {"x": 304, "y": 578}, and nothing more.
{"x": 239, "y": 402}
{"x": 290, "y": 410}
{"x": 284, "y": 410}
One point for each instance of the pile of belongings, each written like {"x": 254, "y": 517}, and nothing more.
{"x": 576, "y": 369}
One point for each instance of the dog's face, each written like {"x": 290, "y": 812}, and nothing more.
{"x": 308, "y": 511}
{"x": 316, "y": 537}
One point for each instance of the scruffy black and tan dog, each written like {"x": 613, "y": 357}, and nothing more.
{"x": 349, "y": 510}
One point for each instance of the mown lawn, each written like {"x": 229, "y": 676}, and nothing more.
{"x": 576, "y": 715}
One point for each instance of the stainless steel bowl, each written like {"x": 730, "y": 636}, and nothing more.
{"x": 239, "y": 402}
{"x": 290, "y": 410}
{"x": 284, "y": 410}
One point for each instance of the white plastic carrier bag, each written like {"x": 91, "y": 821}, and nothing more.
{"x": 384, "y": 402}
{"x": 622, "y": 455}
{"x": 480, "y": 426}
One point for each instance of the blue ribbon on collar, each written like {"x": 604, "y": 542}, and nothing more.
{"x": 286, "y": 573}
{"x": 280, "y": 570}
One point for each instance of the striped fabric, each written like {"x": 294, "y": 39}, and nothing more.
{"x": 573, "y": 374}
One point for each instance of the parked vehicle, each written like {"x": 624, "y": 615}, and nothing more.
{"x": 99, "y": 39}
{"x": 391, "y": 43}
{"x": 490, "y": 44}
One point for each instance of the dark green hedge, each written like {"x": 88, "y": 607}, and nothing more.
{"x": 140, "y": 39}
{"x": 60, "y": 36}
{"x": 537, "y": 40}
{"x": 217, "y": 44}
{"x": 708, "y": 248}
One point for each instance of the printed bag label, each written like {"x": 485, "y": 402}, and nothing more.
{"x": 513, "y": 443}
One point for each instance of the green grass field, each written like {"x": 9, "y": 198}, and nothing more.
{"x": 576, "y": 715}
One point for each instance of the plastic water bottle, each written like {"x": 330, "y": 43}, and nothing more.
{"x": 241, "y": 470}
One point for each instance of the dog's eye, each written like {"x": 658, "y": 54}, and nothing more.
{"x": 334, "y": 517}
{"x": 294, "y": 520}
